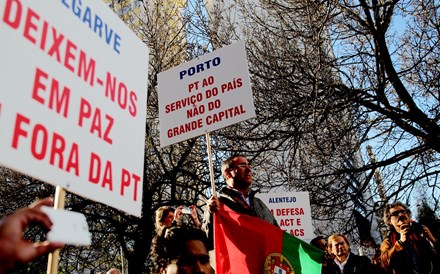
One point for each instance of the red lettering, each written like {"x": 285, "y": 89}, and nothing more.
{"x": 58, "y": 101}
{"x": 58, "y": 146}
{"x": 136, "y": 180}
{"x": 55, "y": 49}
{"x": 133, "y": 100}
{"x": 290, "y": 211}
{"x": 85, "y": 111}
{"x": 44, "y": 35}
{"x": 126, "y": 177}
{"x": 44, "y": 143}
{"x": 287, "y": 222}
{"x": 58, "y": 149}
{"x": 124, "y": 97}
{"x": 69, "y": 55}
{"x": 125, "y": 180}
{"x": 39, "y": 85}
{"x": 110, "y": 87}
{"x": 193, "y": 125}
{"x": 94, "y": 168}
{"x": 36, "y": 31}
{"x": 86, "y": 68}
{"x": 29, "y": 25}
{"x": 18, "y": 131}
{"x": 96, "y": 124}
{"x": 73, "y": 160}
{"x": 95, "y": 172}
{"x": 297, "y": 232}
{"x": 108, "y": 129}
{"x": 12, "y": 8}
{"x": 108, "y": 177}
{"x": 41, "y": 153}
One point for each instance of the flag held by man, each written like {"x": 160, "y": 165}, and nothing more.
{"x": 248, "y": 245}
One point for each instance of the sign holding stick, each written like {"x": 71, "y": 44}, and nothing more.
{"x": 73, "y": 98}
{"x": 205, "y": 94}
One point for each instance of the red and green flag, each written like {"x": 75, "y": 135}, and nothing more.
{"x": 247, "y": 245}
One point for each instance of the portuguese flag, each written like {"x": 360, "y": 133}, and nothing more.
{"x": 245, "y": 244}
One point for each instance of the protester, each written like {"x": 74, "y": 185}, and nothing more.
{"x": 410, "y": 247}
{"x": 345, "y": 262}
{"x": 237, "y": 195}
{"x": 167, "y": 216}
{"x": 14, "y": 250}
{"x": 183, "y": 250}
{"x": 319, "y": 242}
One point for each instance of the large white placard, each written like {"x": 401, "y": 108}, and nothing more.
{"x": 73, "y": 98}
{"x": 292, "y": 212}
{"x": 205, "y": 94}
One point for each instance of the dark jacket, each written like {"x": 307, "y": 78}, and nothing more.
{"x": 355, "y": 265}
{"x": 234, "y": 200}
{"x": 417, "y": 255}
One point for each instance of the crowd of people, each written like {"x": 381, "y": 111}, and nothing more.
{"x": 410, "y": 248}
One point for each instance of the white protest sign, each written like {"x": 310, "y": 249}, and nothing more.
{"x": 205, "y": 94}
{"x": 292, "y": 212}
{"x": 73, "y": 98}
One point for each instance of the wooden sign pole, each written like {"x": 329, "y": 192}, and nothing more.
{"x": 54, "y": 257}
{"x": 211, "y": 168}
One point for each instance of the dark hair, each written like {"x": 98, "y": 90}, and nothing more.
{"x": 171, "y": 244}
{"x": 315, "y": 241}
{"x": 387, "y": 215}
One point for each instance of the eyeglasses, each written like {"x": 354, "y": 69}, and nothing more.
{"x": 397, "y": 212}
{"x": 244, "y": 165}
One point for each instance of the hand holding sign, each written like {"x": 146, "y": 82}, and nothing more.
{"x": 14, "y": 249}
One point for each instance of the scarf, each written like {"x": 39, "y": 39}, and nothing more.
{"x": 418, "y": 252}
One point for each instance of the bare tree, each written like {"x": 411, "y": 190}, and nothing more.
{"x": 328, "y": 79}
{"x": 392, "y": 74}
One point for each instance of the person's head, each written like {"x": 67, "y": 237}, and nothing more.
{"x": 237, "y": 172}
{"x": 164, "y": 217}
{"x": 396, "y": 215}
{"x": 113, "y": 271}
{"x": 338, "y": 245}
{"x": 184, "y": 251}
{"x": 319, "y": 242}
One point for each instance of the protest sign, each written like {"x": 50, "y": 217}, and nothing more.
{"x": 205, "y": 94}
{"x": 73, "y": 98}
{"x": 292, "y": 212}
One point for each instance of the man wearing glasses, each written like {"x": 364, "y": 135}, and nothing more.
{"x": 237, "y": 194}
{"x": 410, "y": 247}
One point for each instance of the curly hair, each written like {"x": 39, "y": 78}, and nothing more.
{"x": 387, "y": 215}
{"x": 161, "y": 213}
